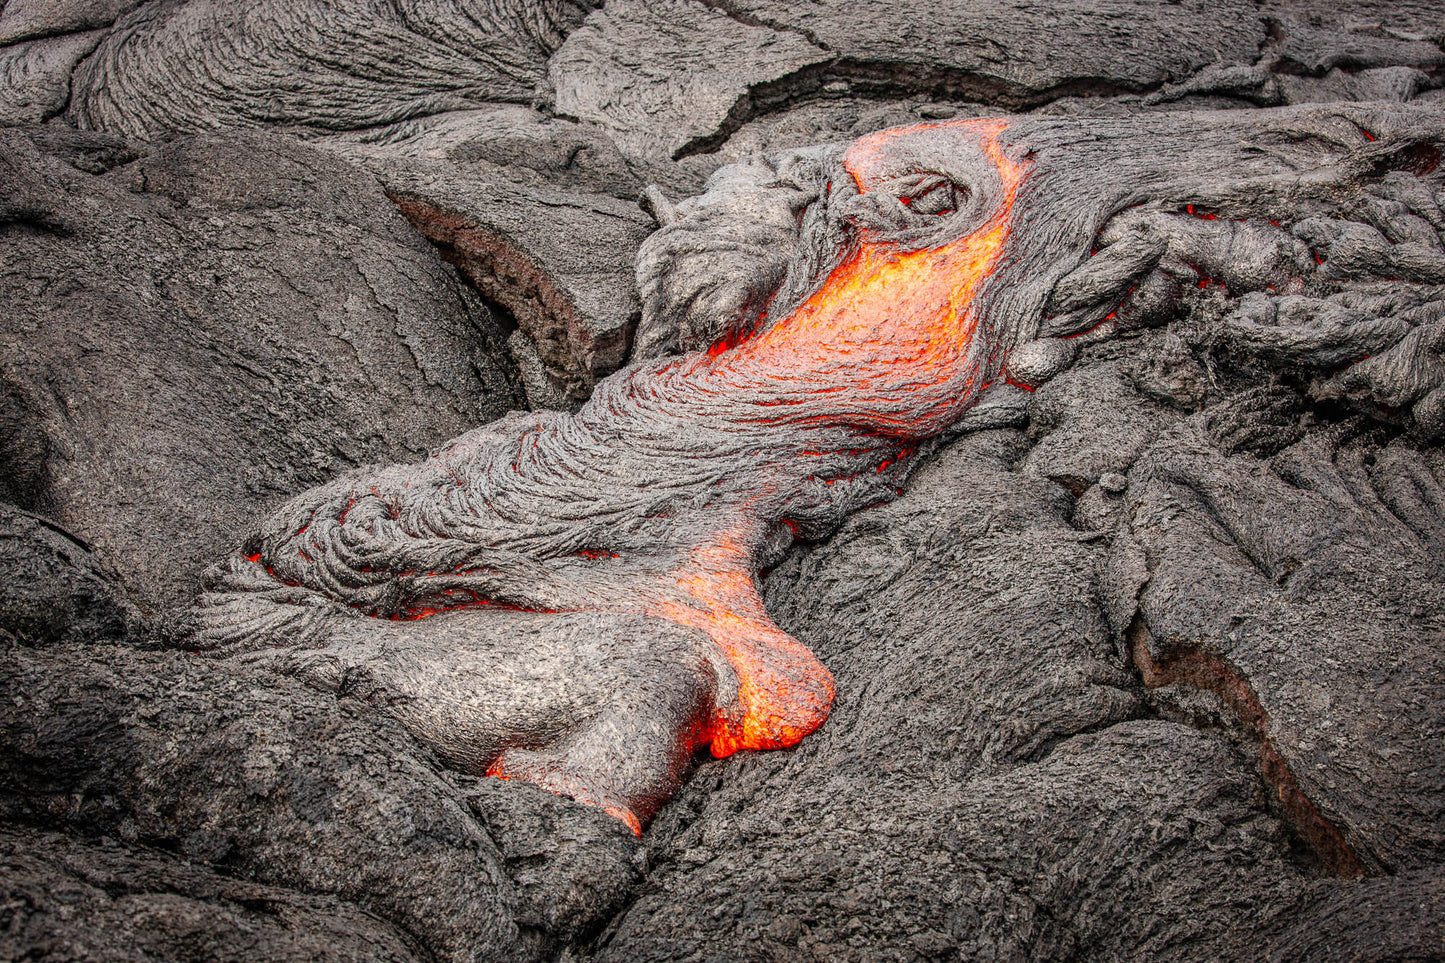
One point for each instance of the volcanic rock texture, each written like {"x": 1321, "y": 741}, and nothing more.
{"x": 1076, "y": 453}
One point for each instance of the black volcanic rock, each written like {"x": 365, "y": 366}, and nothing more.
{"x": 1143, "y": 660}
{"x": 264, "y": 782}
{"x": 56, "y": 589}
{"x": 192, "y": 335}
{"x": 66, "y": 899}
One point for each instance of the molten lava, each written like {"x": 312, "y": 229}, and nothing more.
{"x": 888, "y": 340}
{"x": 662, "y": 495}
{"x": 886, "y": 344}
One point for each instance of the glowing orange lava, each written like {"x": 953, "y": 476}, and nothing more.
{"x": 783, "y": 690}
{"x": 805, "y": 411}
{"x": 887, "y": 344}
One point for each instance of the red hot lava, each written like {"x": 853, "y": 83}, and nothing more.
{"x": 665, "y": 493}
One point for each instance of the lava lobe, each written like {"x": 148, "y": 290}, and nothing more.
{"x": 661, "y": 498}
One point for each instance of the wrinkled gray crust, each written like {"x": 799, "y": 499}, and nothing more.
{"x": 1137, "y": 647}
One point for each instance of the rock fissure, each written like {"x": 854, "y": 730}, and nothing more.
{"x": 1195, "y": 667}
{"x": 506, "y": 275}
{"x": 752, "y": 20}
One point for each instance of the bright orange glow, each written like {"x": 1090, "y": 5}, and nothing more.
{"x": 555, "y": 780}
{"x": 887, "y": 344}
{"x": 627, "y": 816}
{"x": 784, "y": 691}
{"x": 887, "y": 352}
{"x": 890, "y": 335}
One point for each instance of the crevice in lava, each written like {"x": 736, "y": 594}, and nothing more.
{"x": 507, "y": 276}
{"x": 1193, "y": 666}
{"x": 881, "y": 80}
{"x": 34, "y": 222}
{"x": 753, "y": 20}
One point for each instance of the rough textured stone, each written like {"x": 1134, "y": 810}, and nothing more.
{"x": 56, "y": 590}
{"x": 560, "y": 262}
{"x": 519, "y": 144}
{"x": 263, "y": 781}
{"x": 35, "y": 76}
{"x": 1308, "y": 591}
{"x": 572, "y": 867}
{"x": 540, "y": 215}
{"x": 674, "y": 485}
{"x": 1140, "y": 661}
{"x": 27, "y": 19}
{"x": 673, "y": 78}
{"x": 955, "y": 803}
{"x": 1016, "y": 54}
{"x": 66, "y": 899}
{"x": 312, "y": 65}
{"x": 192, "y": 335}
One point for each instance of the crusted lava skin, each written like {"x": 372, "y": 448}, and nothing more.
{"x": 667, "y": 491}
{"x": 932, "y": 265}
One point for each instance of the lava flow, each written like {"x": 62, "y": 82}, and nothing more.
{"x": 667, "y": 491}
{"x": 887, "y": 344}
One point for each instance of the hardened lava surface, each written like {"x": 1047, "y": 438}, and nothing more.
{"x": 664, "y": 495}
{"x": 984, "y": 501}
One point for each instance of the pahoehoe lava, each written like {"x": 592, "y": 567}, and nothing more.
{"x": 681, "y": 478}
{"x": 673, "y": 485}
{"x": 685, "y": 479}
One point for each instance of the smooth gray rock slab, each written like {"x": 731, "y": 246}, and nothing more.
{"x": 669, "y": 79}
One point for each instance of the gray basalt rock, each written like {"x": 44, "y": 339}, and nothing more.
{"x": 993, "y": 786}
{"x": 56, "y": 589}
{"x": 67, "y": 899}
{"x": 670, "y": 79}
{"x": 312, "y": 65}
{"x": 1083, "y": 431}
{"x": 1017, "y": 54}
{"x": 1314, "y": 39}
{"x": 190, "y": 336}
{"x": 521, "y": 144}
{"x": 262, "y": 781}
{"x": 559, "y": 261}
{"x": 540, "y": 215}
{"x": 35, "y": 76}
{"x": 1306, "y": 590}
{"x": 1080, "y": 467}
{"x": 674, "y": 485}
{"x": 29, "y": 19}
{"x": 236, "y": 777}
{"x": 969, "y": 800}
